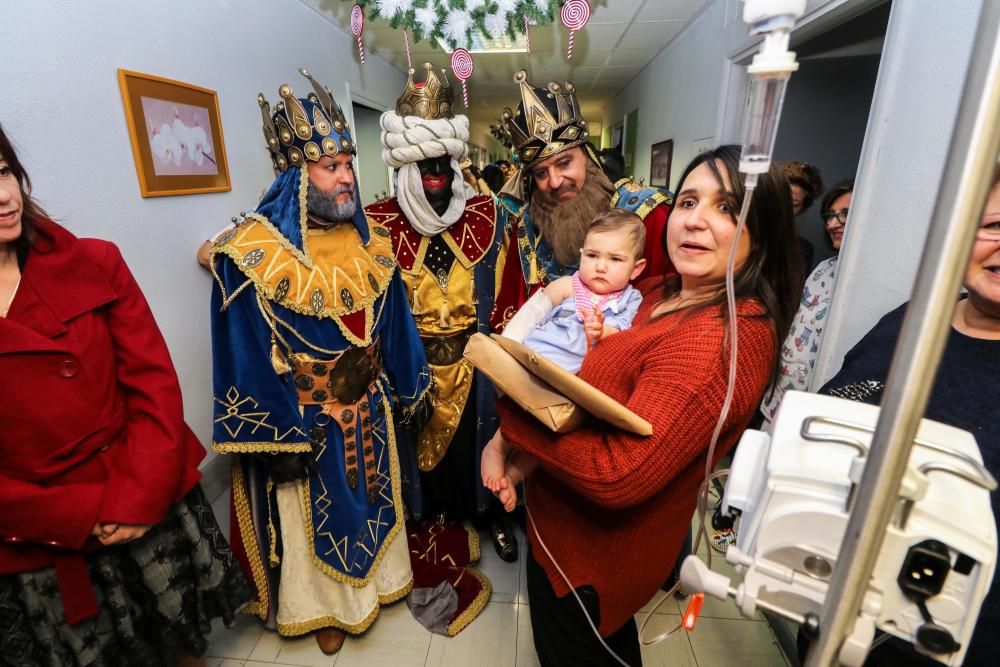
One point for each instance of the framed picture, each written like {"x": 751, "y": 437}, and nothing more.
{"x": 661, "y": 155}
{"x": 176, "y": 136}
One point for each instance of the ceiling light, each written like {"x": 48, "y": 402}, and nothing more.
{"x": 483, "y": 44}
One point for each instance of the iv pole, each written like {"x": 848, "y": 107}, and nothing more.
{"x": 968, "y": 171}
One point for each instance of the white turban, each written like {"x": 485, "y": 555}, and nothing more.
{"x": 409, "y": 139}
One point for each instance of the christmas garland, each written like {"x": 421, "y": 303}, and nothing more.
{"x": 454, "y": 21}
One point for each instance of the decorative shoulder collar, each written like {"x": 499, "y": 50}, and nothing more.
{"x": 513, "y": 205}
{"x": 469, "y": 238}
{"x": 343, "y": 275}
{"x": 639, "y": 199}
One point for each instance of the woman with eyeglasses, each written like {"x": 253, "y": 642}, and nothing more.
{"x": 801, "y": 347}
{"x": 964, "y": 395}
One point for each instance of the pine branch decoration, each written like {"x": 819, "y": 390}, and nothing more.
{"x": 453, "y": 22}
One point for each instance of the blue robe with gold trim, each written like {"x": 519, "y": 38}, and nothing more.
{"x": 276, "y": 305}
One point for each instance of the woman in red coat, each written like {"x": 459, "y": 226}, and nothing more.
{"x": 613, "y": 508}
{"x": 109, "y": 552}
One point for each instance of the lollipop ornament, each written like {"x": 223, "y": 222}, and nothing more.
{"x": 357, "y": 27}
{"x": 574, "y": 15}
{"x": 461, "y": 65}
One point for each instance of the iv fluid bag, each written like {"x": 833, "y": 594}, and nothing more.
{"x": 760, "y": 124}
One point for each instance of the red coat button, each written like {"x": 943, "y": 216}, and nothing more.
{"x": 69, "y": 368}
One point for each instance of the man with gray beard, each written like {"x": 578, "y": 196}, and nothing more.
{"x": 325, "y": 207}
{"x": 314, "y": 349}
{"x": 557, "y": 190}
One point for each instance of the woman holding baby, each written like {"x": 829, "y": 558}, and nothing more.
{"x": 613, "y": 508}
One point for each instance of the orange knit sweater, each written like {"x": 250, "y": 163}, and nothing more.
{"x": 613, "y": 507}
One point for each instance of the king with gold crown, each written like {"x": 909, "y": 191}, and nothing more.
{"x": 558, "y": 188}
{"x": 450, "y": 245}
{"x": 314, "y": 350}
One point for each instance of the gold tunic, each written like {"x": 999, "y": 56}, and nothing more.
{"x": 444, "y": 308}
{"x": 443, "y": 305}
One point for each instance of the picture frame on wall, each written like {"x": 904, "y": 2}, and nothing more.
{"x": 176, "y": 135}
{"x": 660, "y": 158}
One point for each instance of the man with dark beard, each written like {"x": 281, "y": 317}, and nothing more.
{"x": 558, "y": 188}
{"x": 449, "y": 244}
{"x": 313, "y": 350}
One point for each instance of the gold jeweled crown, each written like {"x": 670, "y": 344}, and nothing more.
{"x": 429, "y": 100}
{"x": 547, "y": 121}
{"x": 304, "y": 128}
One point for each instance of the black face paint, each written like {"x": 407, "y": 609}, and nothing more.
{"x": 437, "y": 177}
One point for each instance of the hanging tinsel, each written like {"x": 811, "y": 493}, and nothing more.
{"x": 495, "y": 24}
{"x": 453, "y": 22}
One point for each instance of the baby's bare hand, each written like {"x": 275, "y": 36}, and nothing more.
{"x": 593, "y": 326}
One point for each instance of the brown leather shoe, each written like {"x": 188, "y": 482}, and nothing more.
{"x": 504, "y": 540}
{"x": 330, "y": 640}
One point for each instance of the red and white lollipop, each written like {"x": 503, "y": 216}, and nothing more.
{"x": 357, "y": 27}
{"x": 461, "y": 65}
{"x": 574, "y": 15}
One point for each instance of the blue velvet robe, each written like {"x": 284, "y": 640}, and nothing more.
{"x": 258, "y": 414}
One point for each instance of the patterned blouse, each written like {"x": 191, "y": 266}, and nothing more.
{"x": 801, "y": 347}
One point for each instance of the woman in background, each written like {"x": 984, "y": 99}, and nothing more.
{"x": 109, "y": 552}
{"x": 801, "y": 347}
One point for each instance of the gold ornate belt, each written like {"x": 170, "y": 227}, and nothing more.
{"x": 340, "y": 386}
{"x": 446, "y": 350}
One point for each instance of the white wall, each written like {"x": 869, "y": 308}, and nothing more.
{"x": 63, "y": 109}
{"x": 924, "y": 63}
{"x": 479, "y": 134}
{"x": 678, "y": 93}
{"x": 695, "y": 89}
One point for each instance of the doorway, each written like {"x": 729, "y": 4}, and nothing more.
{"x": 825, "y": 114}
{"x": 373, "y": 176}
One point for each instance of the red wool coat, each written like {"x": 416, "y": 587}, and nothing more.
{"x": 92, "y": 426}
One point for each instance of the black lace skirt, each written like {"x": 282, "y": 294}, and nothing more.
{"x": 157, "y": 597}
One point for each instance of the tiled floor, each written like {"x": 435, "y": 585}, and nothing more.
{"x": 500, "y": 636}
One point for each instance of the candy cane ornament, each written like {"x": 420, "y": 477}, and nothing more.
{"x": 574, "y": 15}
{"x": 357, "y": 27}
{"x": 461, "y": 65}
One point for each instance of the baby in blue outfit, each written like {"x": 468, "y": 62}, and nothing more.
{"x": 570, "y": 314}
